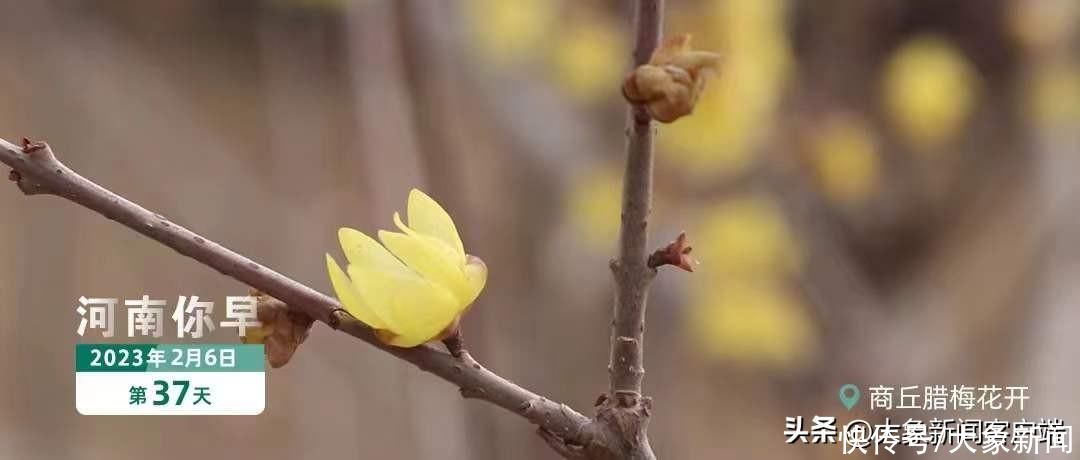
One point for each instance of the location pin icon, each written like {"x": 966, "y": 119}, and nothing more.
{"x": 849, "y": 395}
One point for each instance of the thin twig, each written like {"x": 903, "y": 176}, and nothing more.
{"x": 632, "y": 274}
{"x": 625, "y": 412}
{"x": 38, "y": 171}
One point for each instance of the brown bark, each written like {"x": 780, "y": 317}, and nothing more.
{"x": 619, "y": 428}
{"x": 36, "y": 170}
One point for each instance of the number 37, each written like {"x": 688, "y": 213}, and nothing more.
{"x": 162, "y": 391}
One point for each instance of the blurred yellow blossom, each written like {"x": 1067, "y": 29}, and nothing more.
{"x": 745, "y": 237}
{"x": 929, "y": 90}
{"x": 740, "y": 307}
{"x": 745, "y": 22}
{"x": 757, "y": 323}
{"x": 844, "y": 155}
{"x": 595, "y": 201}
{"x": 508, "y": 30}
{"x": 736, "y": 112}
{"x": 589, "y": 57}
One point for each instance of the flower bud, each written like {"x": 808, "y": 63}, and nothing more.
{"x": 670, "y": 84}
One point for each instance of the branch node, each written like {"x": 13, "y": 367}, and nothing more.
{"x": 29, "y": 146}
{"x": 473, "y": 392}
{"x": 676, "y": 253}
{"x": 646, "y": 406}
{"x": 600, "y": 400}
{"x": 334, "y": 318}
{"x": 626, "y": 398}
{"x": 561, "y": 446}
{"x": 455, "y": 344}
{"x": 641, "y": 117}
{"x": 24, "y": 184}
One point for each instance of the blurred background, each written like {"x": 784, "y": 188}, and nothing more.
{"x": 879, "y": 192}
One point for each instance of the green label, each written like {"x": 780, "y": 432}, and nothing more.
{"x": 167, "y": 357}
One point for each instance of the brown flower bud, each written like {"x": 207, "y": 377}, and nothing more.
{"x": 670, "y": 84}
{"x": 282, "y": 330}
{"x": 676, "y": 253}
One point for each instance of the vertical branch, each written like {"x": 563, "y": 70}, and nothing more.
{"x": 622, "y": 415}
{"x": 632, "y": 274}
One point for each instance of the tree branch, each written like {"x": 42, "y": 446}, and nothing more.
{"x": 619, "y": 430}
{"x": 632, "y": 273}
{"x": 36, "y": 170}
{"x": 624, "y": 411}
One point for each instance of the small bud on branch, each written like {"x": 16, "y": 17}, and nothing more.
{"x": 671, "y": 83}
{"x": 676, "y": 253}
{"x": 29, "y": 146}
{"x": 282, "y": 330}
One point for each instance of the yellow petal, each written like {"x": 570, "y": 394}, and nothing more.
{"x": 349, "y": 297}
{"x": 427, "y": 217}
{"x": 430, "y": 258}
{"x": 445, "y": 250}
{"x": 417, "y": 309}
{"x": 930, "y": 88}
{"x": 476, "y": 277}
{"x": 363, "y": 250}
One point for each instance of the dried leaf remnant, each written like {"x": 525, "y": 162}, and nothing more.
{"x": 282, "y": 330}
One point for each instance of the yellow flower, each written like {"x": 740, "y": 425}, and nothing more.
{"x": 587, "y": 57}
{"x": 415, "y": 289}
{"x": 845, "y": 157}
{"x": 594, "y": 203}
{"x": 735, "y": 115}
{"x": 507, "y": 31}
{"x": 747, "y": 237}
{"x": 929, "y": 90}
{"x": 753, "y": 322}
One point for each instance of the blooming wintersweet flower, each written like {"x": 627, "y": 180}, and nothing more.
{"x": 414, "y": 287}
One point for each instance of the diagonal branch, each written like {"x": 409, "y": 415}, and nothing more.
{"x": 36, "y": 170}
{"x": 622, "y": 415}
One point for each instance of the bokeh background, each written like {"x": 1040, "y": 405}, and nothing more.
{"x": 879, "y": 192}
